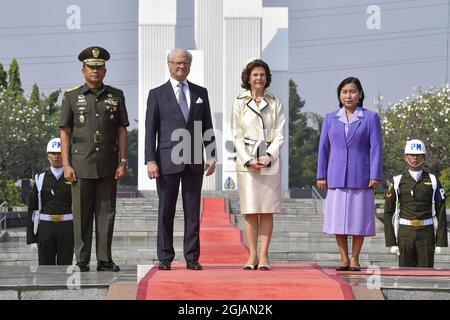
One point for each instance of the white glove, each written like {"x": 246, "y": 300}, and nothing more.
{"x": 437, "y": 250}
{"x": 34, "y": 247}
{"x": 395, "y": 250}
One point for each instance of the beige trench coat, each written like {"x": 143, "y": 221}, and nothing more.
{"x": 259, "y": 191}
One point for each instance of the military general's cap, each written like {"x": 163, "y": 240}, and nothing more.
{"x": 94, "y": 56}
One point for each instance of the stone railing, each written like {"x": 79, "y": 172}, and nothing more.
{"x": 318, "y": 198}
{"x": 3, "y": 210}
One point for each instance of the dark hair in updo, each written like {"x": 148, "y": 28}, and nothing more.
{"x": 248, "y": 70}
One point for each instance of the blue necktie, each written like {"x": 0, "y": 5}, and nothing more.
{"x": 182, "y": 101}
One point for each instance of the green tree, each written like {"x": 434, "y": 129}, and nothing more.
{"x": 35, "y": 98}
{"x": 303, "y": 141}
{"x": 54, "y": 111}
{"x": 445, "y": 180}
{"x": 10, "y": 193}
{"x": 25, "y": 130}
{"x": 14, "y": 82}
{"x": 3, "y": 77}
{"x": 131, "y": 178}
{"x": 50, "y": 101}
{"x": 424, "y": 116}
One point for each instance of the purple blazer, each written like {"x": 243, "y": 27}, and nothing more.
{"x": 350, "y": 162}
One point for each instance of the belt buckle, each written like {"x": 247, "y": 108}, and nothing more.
{"x": 97, "y": 138}
{"x": 416, "y": 223}
{"x": 56, "y": 217}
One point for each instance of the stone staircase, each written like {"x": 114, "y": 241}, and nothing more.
{"x": 297, "y": 236}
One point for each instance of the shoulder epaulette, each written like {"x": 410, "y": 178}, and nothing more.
{"x": 270, "y": 95}
{"x": 244, "y": 95}
{"x": 74, "y": 88}
{"x": 110, "y": 86}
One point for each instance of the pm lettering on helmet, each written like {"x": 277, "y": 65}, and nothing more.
{"x": 54, "y": 145}
{"x": 415, "y": 146}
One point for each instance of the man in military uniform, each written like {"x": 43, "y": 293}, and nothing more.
{"x": 415, "y": 220}
{"x": 94, "y": 151}
{"x": 50, "y": 227}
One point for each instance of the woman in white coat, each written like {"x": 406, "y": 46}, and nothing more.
{"x": 258, "y": 129}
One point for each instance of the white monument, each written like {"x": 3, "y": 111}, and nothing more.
{"x": 227, "y": 34}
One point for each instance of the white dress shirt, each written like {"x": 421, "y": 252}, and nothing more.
{"x": 415, "y": 174}
{"x": 176, "y": 90}
{"x": 57, "y": 172}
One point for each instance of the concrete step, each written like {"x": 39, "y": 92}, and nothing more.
{"x": 146, "y": 235}
{"x": 297, "y": 236}
{"x": 139, "y": 251}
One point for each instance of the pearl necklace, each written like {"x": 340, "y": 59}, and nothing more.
{"x": 258, "y": 99}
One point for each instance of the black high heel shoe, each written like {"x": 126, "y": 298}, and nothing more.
{"x": 343, "y": 268}
{"x": 355, "y": 268}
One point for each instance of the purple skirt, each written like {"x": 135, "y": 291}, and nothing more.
{"x": 350, "y": 212}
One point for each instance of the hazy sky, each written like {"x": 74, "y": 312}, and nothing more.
{"x": 329, "y": 40}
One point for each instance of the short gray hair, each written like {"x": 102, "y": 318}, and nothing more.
{"x": 173, "y": 51}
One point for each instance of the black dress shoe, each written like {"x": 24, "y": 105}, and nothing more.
{"x": 164, "y": 265}
{"x": 343, "y": 268}
{"x": 194, "y": 266}
{"x": 84, "y": 267}
{"x": 107, "y": 266}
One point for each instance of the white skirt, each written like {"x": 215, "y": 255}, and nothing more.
{"x": 260, "y": 192}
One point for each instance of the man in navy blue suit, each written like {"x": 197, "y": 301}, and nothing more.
{"x": 178, "y": 129}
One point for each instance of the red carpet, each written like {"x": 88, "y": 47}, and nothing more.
{"x": 401, "y": 272}
{"x": 220, "y": 240}
{"x": 230, "y": 282}
{"x": 222, "y": 256}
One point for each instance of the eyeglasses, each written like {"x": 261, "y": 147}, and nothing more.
{"x": 180, "y": 63}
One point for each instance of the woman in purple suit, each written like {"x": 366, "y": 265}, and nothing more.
{"x": 349, "y": 165}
